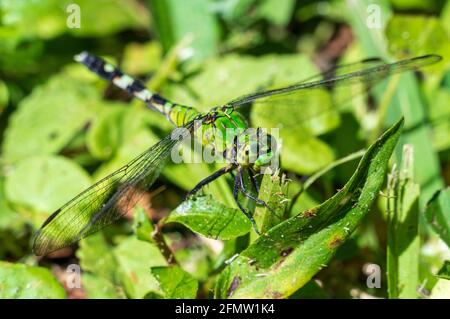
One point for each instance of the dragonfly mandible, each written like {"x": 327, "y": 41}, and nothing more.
{"x": 107, "y": 200}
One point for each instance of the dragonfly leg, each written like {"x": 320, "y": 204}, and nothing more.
{"x": 209, "y": 179}
{"x": 236, "y": 198}
{"x": 248, "y": 195}
{"x": 253, "y": 180}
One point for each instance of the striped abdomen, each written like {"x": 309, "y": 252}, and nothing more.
{"x": 176, "y": 113}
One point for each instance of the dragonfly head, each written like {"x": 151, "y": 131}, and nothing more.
{"x": 257, "y": 151}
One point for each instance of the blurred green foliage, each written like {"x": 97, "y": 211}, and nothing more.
{"x": 62, "y": 128}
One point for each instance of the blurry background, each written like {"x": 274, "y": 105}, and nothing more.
{"x": 61, "y": 128}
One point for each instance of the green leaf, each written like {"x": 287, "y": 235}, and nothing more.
{"x": 273, "y": 191}
{"x": 173, "y": 21}
{"x": 439, "y": 115}
{"x": 134, "y": 258}
{"x": 206, "y": 216}
{"x": 113, "y": 17}
{"x": 44, "y": 19}
{"x": 44, "y": 183}
{"x": 403, "y": 246}
{"x": 4, "y": 95}
{"x": 48, "y": 118}
{"x": 417, "y": 35}
{"x": 287, "y": 256}
{"x": 187, "y": 175}
{"x": 96, "y": 257}
{"x": 444, "y": 272}
{"x": 438, "y": 214}
{"x": 175, "y": 282}
{"x": 97, "y": 287}
{"x": 141, "y": 58}
{"x": 143, "y": 225}
{"x": 104, "y": 135}
{"x": 445, "y": 17}
{"x": 26, "y": 282}
{"x": 441, "y": 289}
{"x": 415, "y": 5}
{"x": 133, "y": 145}
{"x": 276, "y": 11}
{"x": 9, "y": 219}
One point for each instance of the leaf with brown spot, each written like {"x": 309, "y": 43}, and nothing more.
{"x": 314, "y": 240}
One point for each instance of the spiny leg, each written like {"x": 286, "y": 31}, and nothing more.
{"x": 210, "y": 178}
{"x": 253, "y": 180}
{"x": 247, "y": 194}
{"x": 236, "y": 198}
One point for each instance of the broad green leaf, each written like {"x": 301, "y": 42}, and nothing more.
{"x": 97, "y": 287}
{"x": 174, "y": 21}
{"x": 285, "y": 258}
{"x": 44, "y": 183}
{"x": 206, "y": 216}
{"x": 444, "y": 272}
{"x": 403, "y": 246}
{"x": 48, "y": 118}
{"x": 438, "y": 214}
{"x": 18, "y": 281}
{"x": 175, "y": 282}
{"x": 135, "y": 258}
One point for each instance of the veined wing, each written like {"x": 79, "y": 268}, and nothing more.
{"x": 367, "y": 72}
{"x": 108, "y": 199}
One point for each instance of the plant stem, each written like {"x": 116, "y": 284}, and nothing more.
{"x": 162, "y": 245}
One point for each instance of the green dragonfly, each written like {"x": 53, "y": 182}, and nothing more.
{"x": 111, "y": 197}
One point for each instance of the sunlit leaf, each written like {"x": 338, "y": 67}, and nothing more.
{"x": 210, "y": 218}
{"x": 26, "y": 282}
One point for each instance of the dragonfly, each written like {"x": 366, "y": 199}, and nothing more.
{"x": 111, "y": 197}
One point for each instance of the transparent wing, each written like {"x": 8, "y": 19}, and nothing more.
{"x": 107, "y": 200}
{"x": 367, "y": 72}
